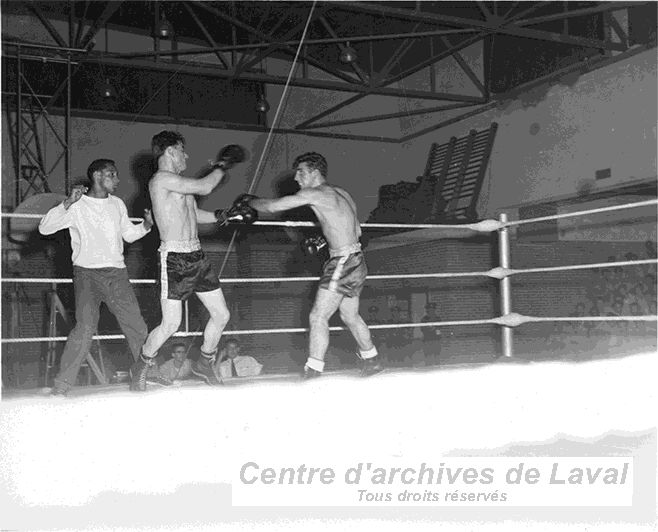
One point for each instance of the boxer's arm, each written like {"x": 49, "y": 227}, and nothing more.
{"x": 302, "y": 198}
{"x": 204, "y": 217}
{"x": 183, "y": 185}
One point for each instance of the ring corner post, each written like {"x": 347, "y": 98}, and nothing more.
{"x": 505, "y": 288}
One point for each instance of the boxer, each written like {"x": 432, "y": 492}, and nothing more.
{"x": 184, "y": 268}
{"x": 343, "y": 273}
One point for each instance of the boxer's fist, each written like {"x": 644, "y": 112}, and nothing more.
{"x": 313, "y": 244}
{"x": 236, "y": 214}
{"x": 243, "y": 200}
{"x": 229, "y": 156}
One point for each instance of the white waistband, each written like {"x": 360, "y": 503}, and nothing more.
{"x": 345, "y": 250}
{"x": 180, "y": 246}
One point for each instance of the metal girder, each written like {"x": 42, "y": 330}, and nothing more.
{"x": 307, "y": 42}
{"x": 286, "y": 48}
{"x": 357, "y": 69}
{"x": 490, "y": 27}
{"x": 466, "y": 68}
{"x": 108, "y": 11}
{"x": 397, "y": 55}
{"x": 206, "y": 34}
{"x": 282, "y": 80}
{"x": 439, "y": 57}
{"x": 608, "y": 7}
{"x": 274, "y": 45}
{"x": 46, "y": 23}
{"x": 363, "y": 119}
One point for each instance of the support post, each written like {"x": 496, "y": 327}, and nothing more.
{"x": 505, "y": 288}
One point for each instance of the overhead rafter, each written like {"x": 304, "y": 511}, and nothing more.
{"x": 491, "y": 27}
{"x": 108, "y": 11}
{"x": 206, "y": 34}
{"x": 282, "y": 80}
{"x": 284, "y": 47}
{"x": 46, "y": 23}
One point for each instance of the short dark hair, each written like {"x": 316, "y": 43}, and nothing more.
{"x": 314, "y": 161}
{"x": 164, "y": 139}
{"x": 232, "y": 341}
{"x": 177, "y": 345}
{"x": 98, "y": 166}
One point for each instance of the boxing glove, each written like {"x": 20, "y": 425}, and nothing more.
{"x": 241, "y": 214}
{"x": 229, "y": 156}
{"x": 243, "y": 200}
{"x": 312, "y": 245}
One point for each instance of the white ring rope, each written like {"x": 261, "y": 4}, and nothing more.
{"x": 582, "y": 213}
{"x": 509, "y": 320}
{"x": 512, "y": 319}
{"x": 484, "y": 226}
{"x": 495, "y": 273}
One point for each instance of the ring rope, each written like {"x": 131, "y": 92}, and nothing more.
{"x": 495, "y": 273}
{"x": 484, "y": 226}
{"x": 509, "y": 320}
{"x": 582, "y": 213}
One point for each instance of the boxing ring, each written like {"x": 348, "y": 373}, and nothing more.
{"x": 507, "y": 321}
{"x": 170, "y": 458}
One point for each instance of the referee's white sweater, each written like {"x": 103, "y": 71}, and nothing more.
{"x": 98, "y": 228}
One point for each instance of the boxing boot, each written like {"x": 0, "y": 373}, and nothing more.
{"x": 371, "y": 366}
{"x": 138, "y": 372}
{"x": 204, "y": 369}
{"x": 310, "y": 373}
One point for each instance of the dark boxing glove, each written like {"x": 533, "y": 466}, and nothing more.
{"x": 240, "y": 212}
{"x": 313, "y": 244}
{"x": 243, "y": 200}
{"x": 229, "y": 156}
{"x": 235, "y": 215}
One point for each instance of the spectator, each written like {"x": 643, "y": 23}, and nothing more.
{"x": 233, "y": 364}
{"x": 178, "y": 367}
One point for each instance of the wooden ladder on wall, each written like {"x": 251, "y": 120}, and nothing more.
{"x": 454, "y": 174}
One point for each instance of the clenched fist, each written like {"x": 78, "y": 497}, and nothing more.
{"x": 76, "y": 193}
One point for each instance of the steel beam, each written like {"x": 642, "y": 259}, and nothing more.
{"x": 282, "y": 80}
{"x": 489, "y": 27}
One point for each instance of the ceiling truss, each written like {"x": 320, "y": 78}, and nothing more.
{"x": 443, "y": 34}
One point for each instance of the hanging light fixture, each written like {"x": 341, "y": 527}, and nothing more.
{"x": 107, "y": 90}
{"x": 262, "y": 105}
{"x": 164, "y": 28}
{"x": 348, "y": 54}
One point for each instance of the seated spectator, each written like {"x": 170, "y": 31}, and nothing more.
{"x": 232, "y": 364}
{"x": 373, "y": 315}
{"x": 178, "y": 367}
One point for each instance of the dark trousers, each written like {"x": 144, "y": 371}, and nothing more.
{"x": 93, "y": 287}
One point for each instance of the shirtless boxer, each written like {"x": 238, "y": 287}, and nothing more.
{"x": 343, "y": 274}
{"x": 184, "y": 269}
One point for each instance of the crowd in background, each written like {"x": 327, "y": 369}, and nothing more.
{"x": 615, "y": 291}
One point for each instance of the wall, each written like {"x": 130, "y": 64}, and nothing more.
{"x": 603, "y": 119}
